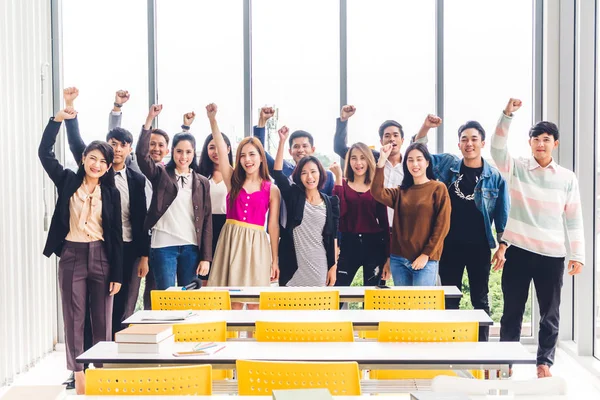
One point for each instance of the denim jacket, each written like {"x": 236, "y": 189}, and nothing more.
{"x": 491, "y": 192}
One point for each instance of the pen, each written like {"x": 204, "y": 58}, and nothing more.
{"x": 219, "y": 349}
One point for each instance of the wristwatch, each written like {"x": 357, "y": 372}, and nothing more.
{"x": 185, "y": 127}
{"x": 118, "y": 105}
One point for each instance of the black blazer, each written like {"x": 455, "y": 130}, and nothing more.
{"x": 67, "y": 182}
{"x": 295, "y": 199}
{"x": 136, "y": 184}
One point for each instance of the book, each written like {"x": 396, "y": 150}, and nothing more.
{"x": 169, "y": 315}
{"x": 163, "y": 347}
{"x": 144, "y": 333}
{"x": 302, "y": 394}
{"x": 438, "y": 396}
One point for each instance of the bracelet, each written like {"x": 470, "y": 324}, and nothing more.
{"x": 118, "y": 105}
{"x": 185, "y": 127}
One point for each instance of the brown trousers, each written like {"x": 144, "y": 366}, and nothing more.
{"x": 83, "y": 269}
{"x": 126, "y": 299}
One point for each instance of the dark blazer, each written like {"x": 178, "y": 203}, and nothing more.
{"x": 164, "y": 191}
{"x": 295, "y": 199}
{"x": 67, "y": 182}
{"x": 136, "y": 183}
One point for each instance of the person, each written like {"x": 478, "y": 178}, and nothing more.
{"x": 87, "y": 234}
{"x": 545, "y": 203}
{"x": 244, "y": 256}
{"x": 479, "y": 197}
{"x": 180, "y": 215}
{"x": 308, "y": 245}
{"x": 421, "y": 217}
{"x": 302, "y": 144}
{"x": 364, "y": 226}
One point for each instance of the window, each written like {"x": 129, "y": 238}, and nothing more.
{"x": 596, "y": 323}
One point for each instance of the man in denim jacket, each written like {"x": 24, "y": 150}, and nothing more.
{"x": 479, "y": 195}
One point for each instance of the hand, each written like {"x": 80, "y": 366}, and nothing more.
{"x": 420, "y": 262}
{"x": 274, "y": 271}
{"x": 347, "y": 112}
{"x": 386, "y": 274}
{"x": 384, "y": 153}
{"x": 283, "y": 132}
{"x": 143, "y": 267}
{"x": 331, "y": 276}
{"x": 114, "y": 288}
{"x": 188, "y": 118}
{"x": 121, "y": 96}
{"x": 512, "y": 106}
{"x": 574, "y": 267}
{"x": 155, "y": 109}
{"x": 203, "y": 268}
{"x": 432, "y": 121}
{"x": 499, "y": 259}
{"x": 336, "y": 169}
{"x": 211, "y": 111}
{"x": 70, "y": 94}
{"x": 67, "y": 113}
{"x": 265, "y": 114}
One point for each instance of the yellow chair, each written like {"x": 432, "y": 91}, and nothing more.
{"x": 401, "y": 299}
{"x": 260, "y": 378}
{"x": 201, "y": 332}
{"x": 190, "y": 300}
{"x": 317, "y": 300}
{"x": 194, "y": 380}
{"x": 423, "y": 332}
{"x": 304, "y": 331}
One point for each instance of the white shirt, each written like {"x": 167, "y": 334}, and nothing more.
{"x": 123, "y": 187}
{"x": 393, "y": 178}
{"x": 218, "y": 196}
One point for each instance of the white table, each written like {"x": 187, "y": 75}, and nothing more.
{"x": 361, "y": 319}
{"x": 347, "y": 293}
{"x": 228, "y": 397}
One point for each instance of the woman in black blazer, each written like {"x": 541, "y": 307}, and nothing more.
{"x": 87, "y": 234}
{"x": 307, "y": 249}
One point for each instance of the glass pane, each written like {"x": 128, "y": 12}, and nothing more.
{"x": 488, "y": 58}
{"x": 105, "y": 48}
{"x": 200, "y": 55}
{"x": 597, "y": 211}
{"x": 295, "y": 66}
{"x": 391, "y": 66}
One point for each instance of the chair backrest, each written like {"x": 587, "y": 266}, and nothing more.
{"x": 194, "y": 380}
{"x": 428, "y": 331}
{"x": 260, "y": 378}
{"x": 392, "y": 299}
{"x": 201, "y": 332}
{"x": 546, "y": 386}
{"x": 268, "y": 331}
{"x": 190, "y": 300}
{"x": 316, "y": 300}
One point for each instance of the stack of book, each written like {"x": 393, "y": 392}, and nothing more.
{"x": 145, "y": 338}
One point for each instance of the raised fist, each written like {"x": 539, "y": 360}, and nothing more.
{"x": 432, "y": 121}
{"x": 512, "y": 106}
{"x": 121, "y": 96}
{"x": 283, "y": 132}
{"x": 155, "y": 109}
{"x": 211, "y": 110}
{"x": 70, "y": 94}
{"x": 266, "y": 113}
{"x": 384, "y": 154}
{"x": 188, "y": 118}
{"x": 347, "y": 112}
{"x": 67, "y": 113}
{"x": 336, "y": 169}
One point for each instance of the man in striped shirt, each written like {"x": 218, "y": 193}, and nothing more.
{"x": 544, "y": 203}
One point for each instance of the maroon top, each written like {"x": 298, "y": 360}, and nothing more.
{"x": 361, "y": 213}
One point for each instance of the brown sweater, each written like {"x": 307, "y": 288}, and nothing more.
{"x": 421, "y": 217}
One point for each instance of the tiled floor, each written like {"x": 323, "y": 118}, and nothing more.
{"x": 581, "y": 383}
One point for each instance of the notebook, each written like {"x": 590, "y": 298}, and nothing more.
{"x": 169, "y": 315}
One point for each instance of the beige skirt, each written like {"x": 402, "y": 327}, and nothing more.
{"x": 242, "y": 256}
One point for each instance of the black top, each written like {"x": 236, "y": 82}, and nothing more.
{"x": 466, "y": 221}
{"x": 67, "y": 182}
{"x": 295, "y": 199}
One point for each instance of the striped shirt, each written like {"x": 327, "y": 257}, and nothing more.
{"x": 544, "y": 202}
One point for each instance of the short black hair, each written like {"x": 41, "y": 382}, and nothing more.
{"x": 387, "y": 124}
{"x": 301, "y": 134}
{"x": 472, "y": 125}
{"x": 161, "y": 133}
{"x": 120, "y": 134}
{"x": 298, "y": 171}
{"x": 544, "y": 127}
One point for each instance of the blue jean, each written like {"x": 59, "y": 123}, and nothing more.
{"x": 405, "y": 275}
{"x": 175, "y": 261}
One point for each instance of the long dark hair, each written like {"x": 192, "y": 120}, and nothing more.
{"x": 298, "y": 172}
{"x": 239, "y": 173}
{"x": 207, "y": 166}
{"x": 178, "y": 138}
{"x": 408, "y": 180}
{"x": 108, "y": 179}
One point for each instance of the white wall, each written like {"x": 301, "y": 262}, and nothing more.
{"x": 28, "y": 307}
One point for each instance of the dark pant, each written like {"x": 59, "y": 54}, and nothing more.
{"x": 125, "y": 300}
{"x": 520, "y": 268}
{"x": 84, "y": 270}
{"x": 172, "y": 262}
{"x": 361, "y": 249}
{"x": 476, "y": 258}
{"x": 149, "y": 286}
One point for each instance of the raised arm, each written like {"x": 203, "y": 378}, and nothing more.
{"x": 340, "y": 139}
{"x": 431, "y": 121}
{"x": 142, "y": 150}
{"x": 387, "y": 196}
{"x": 53, "y": 168}
{"x": 267, "y": 113}
{"x": 76, "y": 143}
{"x": 114, "y": 118}
{"x": 499, "y": 150}
{"x": 224, "y": 167}
{"x": 281, "y": 180}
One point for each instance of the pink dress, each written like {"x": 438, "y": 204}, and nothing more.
{"x": 243, "y": 253}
